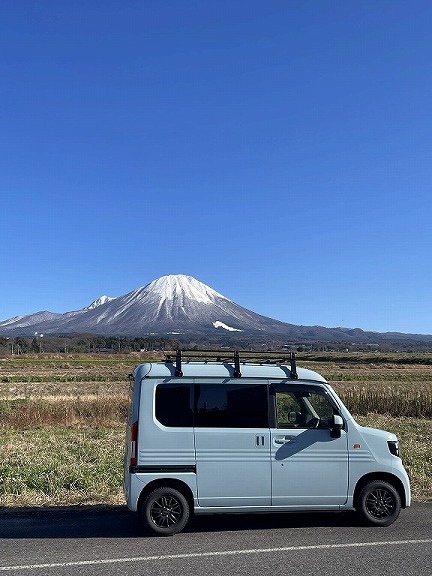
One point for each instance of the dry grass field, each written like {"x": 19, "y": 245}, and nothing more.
{"x": 62, "y": 421}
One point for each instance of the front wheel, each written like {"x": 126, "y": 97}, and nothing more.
{"x": 165, "y": 511}
{"x": 378, "y": 503}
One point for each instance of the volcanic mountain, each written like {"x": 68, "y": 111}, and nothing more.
{"x": 170, "y": 304}
{"x": 174, "y": 305}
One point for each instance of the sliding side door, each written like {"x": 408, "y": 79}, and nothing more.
{"x": 232, "y": 443}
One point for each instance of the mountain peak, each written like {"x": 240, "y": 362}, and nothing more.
{"x": 175, "y": 285}
{"x": 99, "y": 302}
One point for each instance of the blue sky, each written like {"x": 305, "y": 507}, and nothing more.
{"x": 278, "y": 151}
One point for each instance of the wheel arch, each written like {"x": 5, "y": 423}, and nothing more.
{"x": 385, "y": 476}
{"x": 167, "y": 483}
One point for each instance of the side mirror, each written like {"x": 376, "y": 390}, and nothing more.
{"x": 336, "y": 427}
{"x": 292, "y": 417}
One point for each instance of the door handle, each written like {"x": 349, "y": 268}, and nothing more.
{"x": 284, "y": 439}
{"x": 260, "y": 440}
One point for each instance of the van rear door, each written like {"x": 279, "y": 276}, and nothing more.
{"x": 129, "y": 447}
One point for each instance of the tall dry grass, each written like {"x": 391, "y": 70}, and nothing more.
{"x": 390, "y": 400}
{"x": 96, "y": 410}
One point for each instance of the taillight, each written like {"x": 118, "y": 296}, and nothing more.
{"x": 134, "y": 444}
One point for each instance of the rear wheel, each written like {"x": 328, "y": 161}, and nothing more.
{"x": 378, "y": 503}
{"x": 165, "y": 511}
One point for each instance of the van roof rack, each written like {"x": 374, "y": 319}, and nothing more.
{"x": 277, "y": 357}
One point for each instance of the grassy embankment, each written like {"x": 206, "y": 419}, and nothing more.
{"x": 62, "y": 421}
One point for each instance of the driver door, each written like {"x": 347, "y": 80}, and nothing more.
{"x": 309, "y": 465}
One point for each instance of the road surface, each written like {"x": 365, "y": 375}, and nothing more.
{"x": 108, "y": 541}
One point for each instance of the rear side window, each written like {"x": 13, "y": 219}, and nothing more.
{"x": 231, "y": 406}
{"x": 212, "y": 405}
{"x": 174, "y": 404}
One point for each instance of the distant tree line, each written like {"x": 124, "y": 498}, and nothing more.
{"x": 93, "y": 344}
{"x": 82, "y": 343}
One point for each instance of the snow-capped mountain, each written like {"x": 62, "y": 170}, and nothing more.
{"x": 175, "y": 304}
{"x": 170, "y": 304}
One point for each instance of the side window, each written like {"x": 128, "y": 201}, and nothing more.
{"x": 173, "y": 404}
{"x": 321, "y": 407}
{"x": 302, "y": 408}
{"x": 289, "y": 411}
{"x": 232, "y": 406}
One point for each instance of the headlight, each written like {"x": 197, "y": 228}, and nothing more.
{"x": 393, "y": 446}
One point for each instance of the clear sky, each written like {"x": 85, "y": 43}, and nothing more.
{"x": 279, "y": 151}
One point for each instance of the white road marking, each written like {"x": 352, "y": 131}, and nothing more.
{"x": 213, "y": 554}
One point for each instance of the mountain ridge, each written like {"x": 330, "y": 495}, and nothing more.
{"x": 181, "y": 305}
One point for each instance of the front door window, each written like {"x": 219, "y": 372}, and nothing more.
{"x": 302, "y": 409}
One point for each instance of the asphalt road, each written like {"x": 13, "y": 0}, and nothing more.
{"x": 94, "y": 541}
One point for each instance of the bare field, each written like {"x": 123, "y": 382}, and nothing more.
{"x": 62, "y": 422}
{"x": 33, "y": 370}
{"x": 54, "y": 390}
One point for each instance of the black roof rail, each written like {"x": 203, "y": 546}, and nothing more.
{"x": 178, "y": 370}
{"x": 237, "y": 373}
{"x": 278, "y": 357}
{"x": 293, "y": 365}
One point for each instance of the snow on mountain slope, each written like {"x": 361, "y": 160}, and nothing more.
{"x": 45, "y": 318}
{"x": 28, "y": 320}
{"x": 99, "y": 302}
{"x": 219, "y": 324}
{"x": 173, "y": 286}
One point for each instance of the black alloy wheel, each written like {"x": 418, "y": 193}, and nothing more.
{"x": 165, "y": 511}
{"x": 379, "y": 503}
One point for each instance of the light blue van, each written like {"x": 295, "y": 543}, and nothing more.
{"x": 232, "y": 436}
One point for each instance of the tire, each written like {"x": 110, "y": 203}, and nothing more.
{"x": 165, "y": 511}
{"x": 378, "y": 503}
